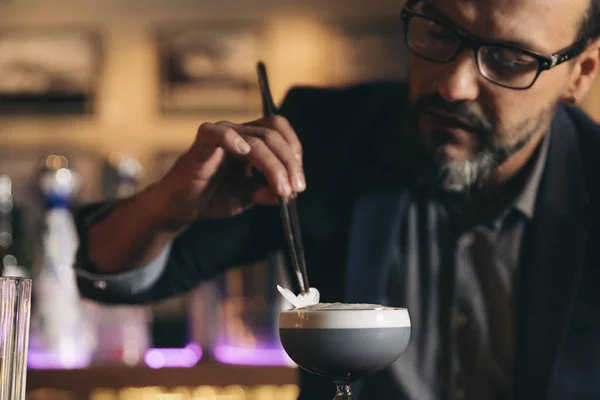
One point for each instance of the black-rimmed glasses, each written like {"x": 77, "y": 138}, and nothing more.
{"x": 502, "y": 64}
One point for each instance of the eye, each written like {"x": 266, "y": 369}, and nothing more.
{"x": 508, "y": 62}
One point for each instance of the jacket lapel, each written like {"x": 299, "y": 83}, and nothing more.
{"x": 374, "y": 233}
{"x": 551, "y": 263}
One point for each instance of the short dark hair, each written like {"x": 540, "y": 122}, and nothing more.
{"x": 590, "y": 29}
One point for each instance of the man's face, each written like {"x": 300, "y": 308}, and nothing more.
{"x": 469, "y": 125}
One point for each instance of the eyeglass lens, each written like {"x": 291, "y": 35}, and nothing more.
{"x": 501, "y": 65}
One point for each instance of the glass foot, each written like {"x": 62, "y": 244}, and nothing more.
{"x": 344, "y": 392}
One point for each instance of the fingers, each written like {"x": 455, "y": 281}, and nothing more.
{"x": 276, "y": 154}
{"x": 265, "y": 141}
{"x": 212, "y": 136}
{"x": 281, "y": 125}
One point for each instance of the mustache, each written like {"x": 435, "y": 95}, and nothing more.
{"x": 462, "y": 111}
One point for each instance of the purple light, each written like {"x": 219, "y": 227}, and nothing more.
{"x": 273, "y": 356}
{"x": 38, "y": 359}
{"x": 173, "y": 358}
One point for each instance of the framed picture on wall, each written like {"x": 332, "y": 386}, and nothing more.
{"x": 209, "y": 67}
{"x": 48, "y": 70}
{"x": 369, "y": 50}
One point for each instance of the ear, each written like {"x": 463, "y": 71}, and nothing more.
{"x": 584, "y": 72}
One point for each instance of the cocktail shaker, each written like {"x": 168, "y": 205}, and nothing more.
{"x": 62, "y": 328}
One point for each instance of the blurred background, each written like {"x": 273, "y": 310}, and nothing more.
{"x": 96, "y": 100}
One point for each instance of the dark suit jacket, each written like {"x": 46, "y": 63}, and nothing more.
{"x": 351, "y": 215}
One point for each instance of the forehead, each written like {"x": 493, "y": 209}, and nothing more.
{"x": 544, "y": 25}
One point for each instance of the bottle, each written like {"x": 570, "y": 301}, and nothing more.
{"x": 62, "y": 337}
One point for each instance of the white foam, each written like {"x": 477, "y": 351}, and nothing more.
{"x": 343, "y": 306}
{"x": 344, "y": 316}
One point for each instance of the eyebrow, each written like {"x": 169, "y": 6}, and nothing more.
{"x": 430, "y": 8}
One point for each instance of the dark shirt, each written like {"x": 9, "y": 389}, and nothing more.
{"x": 459, "y": 280}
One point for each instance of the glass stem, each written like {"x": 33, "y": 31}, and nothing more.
{"x": 344, "y": 392}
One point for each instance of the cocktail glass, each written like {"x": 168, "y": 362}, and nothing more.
{"x": 344, "y": 342}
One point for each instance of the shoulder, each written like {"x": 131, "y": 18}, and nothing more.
{"x": 341, "y": 128}
{"x": 588, "y": 132}
{"x": 344, "y": 98}
{"x": 587, "y": 128}
{"x": 341, "y": 109}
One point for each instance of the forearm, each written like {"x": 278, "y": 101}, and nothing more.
{"x": 131, "y": 236}
{"x": 203, "y": 251}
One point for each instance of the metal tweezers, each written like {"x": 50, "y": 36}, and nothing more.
{"x": 289, "y": 212}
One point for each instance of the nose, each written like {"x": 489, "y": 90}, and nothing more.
{"x": 460, "y": 79}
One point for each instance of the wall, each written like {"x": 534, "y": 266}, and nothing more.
{"x": 126, "y": 118}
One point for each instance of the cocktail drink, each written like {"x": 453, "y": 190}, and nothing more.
{"x": 344, "y": 342}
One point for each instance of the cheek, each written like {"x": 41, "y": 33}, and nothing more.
{"x": 509, "y": 109}
{"x": 529, "y": 103}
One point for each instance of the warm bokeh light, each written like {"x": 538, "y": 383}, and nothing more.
{"x": 232, "y": 392}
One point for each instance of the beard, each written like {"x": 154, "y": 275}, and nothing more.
{"x": 494, "y": 145}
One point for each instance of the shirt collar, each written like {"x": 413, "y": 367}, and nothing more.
{"x": 526, "y": 198}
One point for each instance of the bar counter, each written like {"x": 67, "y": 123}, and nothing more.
{"x": 207, "y": 380}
